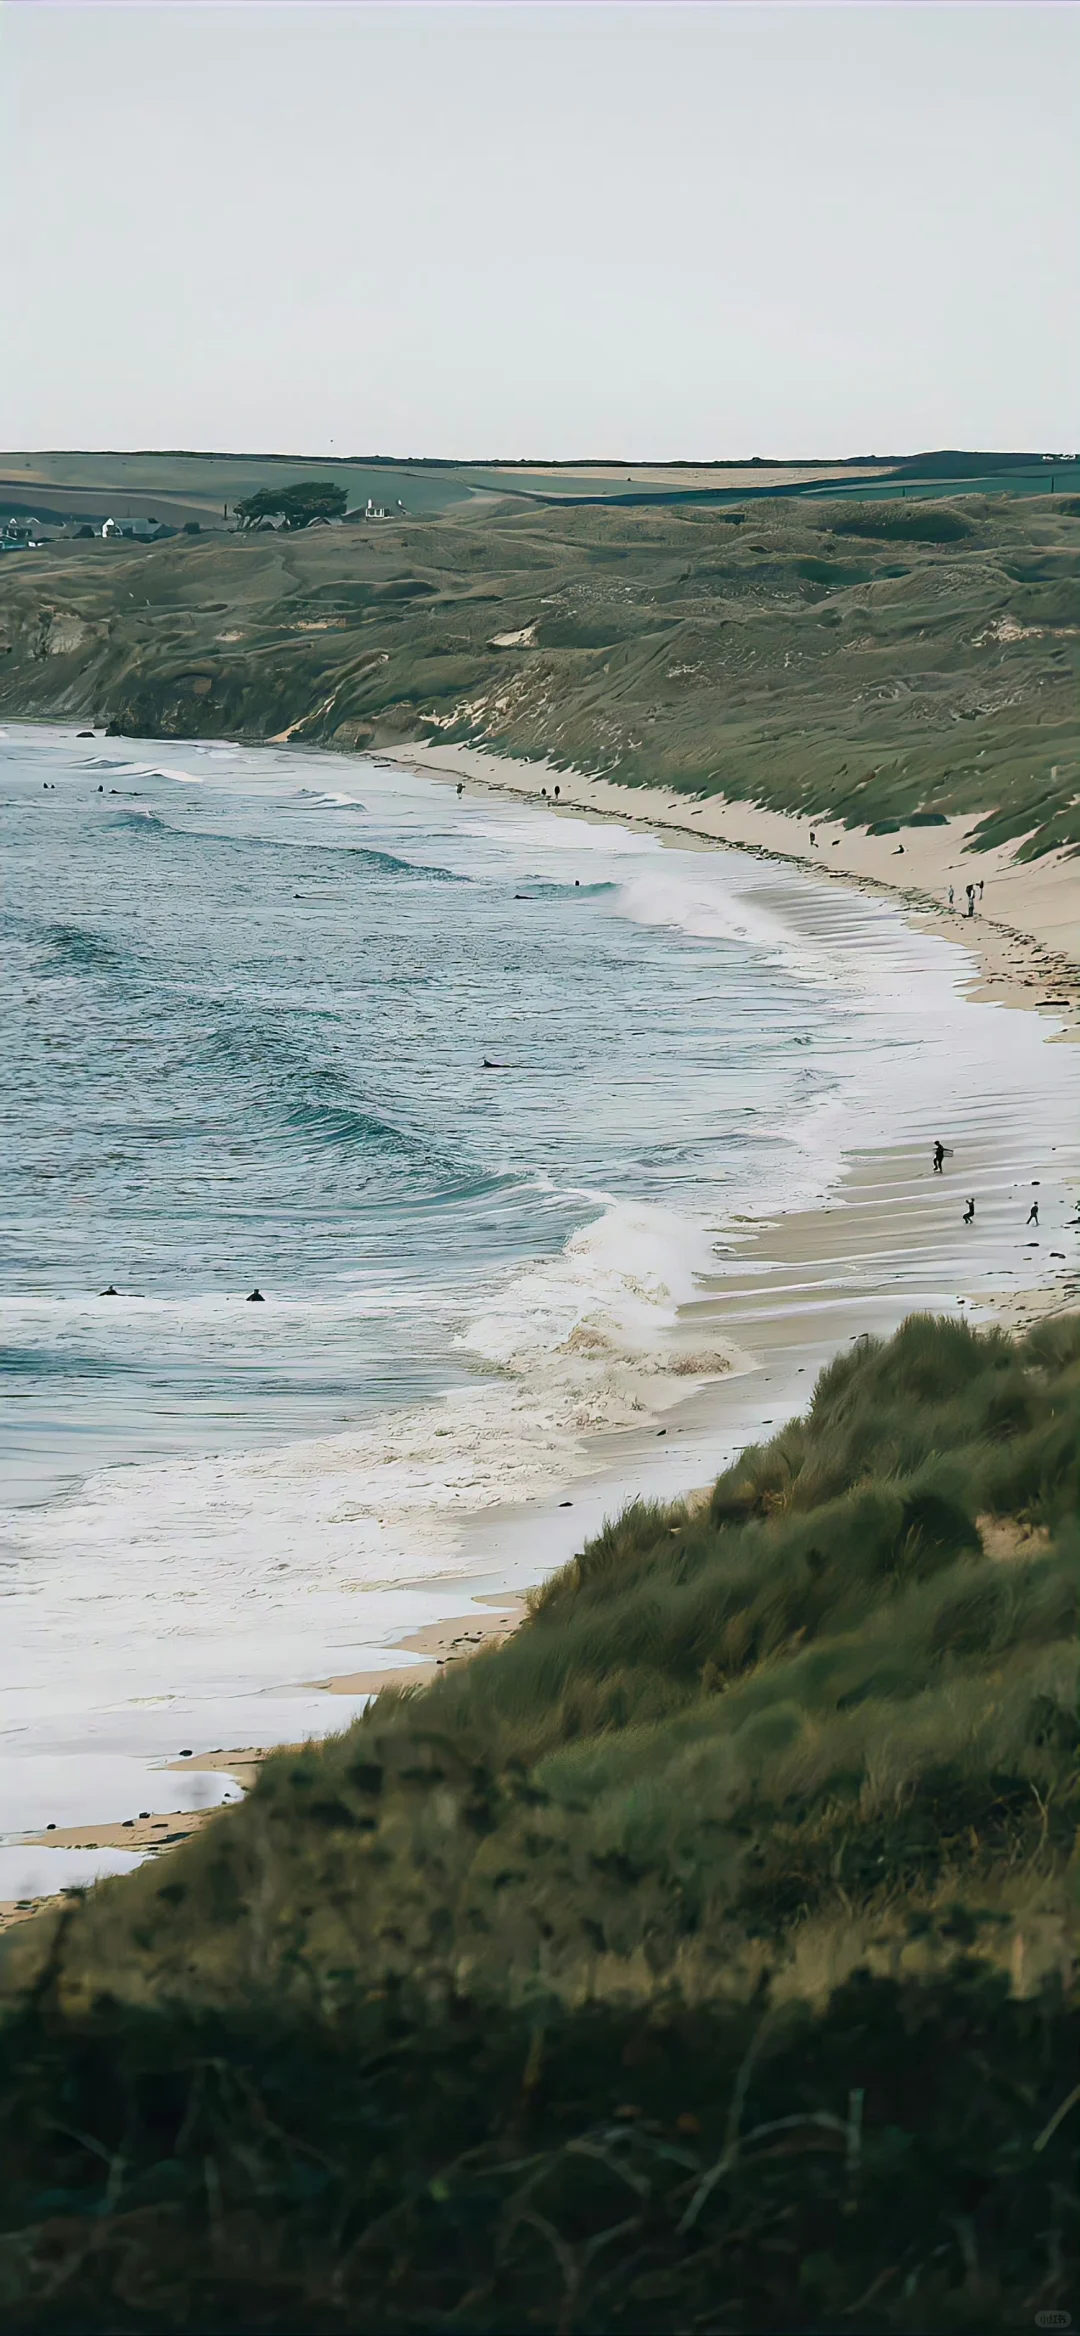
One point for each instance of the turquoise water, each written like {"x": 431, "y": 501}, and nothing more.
{"x": 247, "y": 1000}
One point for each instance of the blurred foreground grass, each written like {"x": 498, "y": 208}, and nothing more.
{"x": 702, "y": 1958}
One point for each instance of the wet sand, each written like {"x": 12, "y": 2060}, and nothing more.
{"x": 419, "y": 1657}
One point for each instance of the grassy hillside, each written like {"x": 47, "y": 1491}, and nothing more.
{"x": 206, "y": 481}
{"x": 175, "y": 486}
{"x": 867, "y": 659}
{"x": 701, "y": 1958}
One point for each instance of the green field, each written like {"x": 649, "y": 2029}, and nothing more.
{"x": 177, "y": 486}
{"x": 696, "y": 1960}
{"x": 868, "y": 658}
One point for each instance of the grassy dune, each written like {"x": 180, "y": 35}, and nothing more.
{"x": 700, "y": 1958}
{"x": 874, "y": 660}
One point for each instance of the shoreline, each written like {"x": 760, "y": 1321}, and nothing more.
{"x": 434, "y": 1646}
{"x": 1021, "y": 934}
{"x": 790, "y": 1280}
{"x": 794, "y": 1286}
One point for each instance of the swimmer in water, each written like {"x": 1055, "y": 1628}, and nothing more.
{"x": 110, "y": 1292}
{"x": 255, "y": 1298}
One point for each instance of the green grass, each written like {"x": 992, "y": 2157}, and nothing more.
{"x": 700, "y": 1958}
{"x": 871, "y": 660}
{"x": 885, "y": 2166}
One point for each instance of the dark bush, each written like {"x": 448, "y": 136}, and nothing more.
{"x": 906, "y": 523}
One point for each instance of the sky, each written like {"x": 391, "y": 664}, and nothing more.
{"x": 650, "y": 232}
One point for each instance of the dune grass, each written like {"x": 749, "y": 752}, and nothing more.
{"x": 700, "y": 1958}
{"x": 871, "y": 661}
{"x": 901, "y": 2162}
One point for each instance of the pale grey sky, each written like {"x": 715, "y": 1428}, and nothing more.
{"x": 540, "y": 230}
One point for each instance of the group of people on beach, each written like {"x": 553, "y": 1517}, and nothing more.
{"x": 1031, "y": 1219}
{"x": 941, "y": 1154}
{"x": 973, "y": 891}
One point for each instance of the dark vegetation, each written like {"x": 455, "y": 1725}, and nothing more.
{"x": 297, "y": 504}
{"x": 886, "y": 2165}
{"x": 874, "y": 660}
{"x": 699, "y": 1959}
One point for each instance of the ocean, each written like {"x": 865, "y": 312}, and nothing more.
{"x": 478, "y": 1095}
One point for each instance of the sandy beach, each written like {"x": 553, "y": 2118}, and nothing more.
{"x": 1025, "y": 932}
{"x": 793, "y": 1290}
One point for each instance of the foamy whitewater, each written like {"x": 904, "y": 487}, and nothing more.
{"x": 249, "y": 998}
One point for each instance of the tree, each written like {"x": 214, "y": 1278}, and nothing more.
{"x": 298, "y": 505}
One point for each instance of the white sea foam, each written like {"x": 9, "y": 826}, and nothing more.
{"x": 580, "y": 1342}
{"x": 193, "y": 1584}
{"x": 613, "y": 1289}
{"x": 194, "y": 1600}
{"x": 27, "y": 1871}
{"x": 712, "y": 906}
{"x": 783, "y": 921}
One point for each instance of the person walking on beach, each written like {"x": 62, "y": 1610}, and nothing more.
{"x": 970, "y": 889}
{"x": 969, "y": 1213}
{"x": 1033, "y": 1213}
{"x": 952, "y": 896}
{"x": 939, "y": 1155}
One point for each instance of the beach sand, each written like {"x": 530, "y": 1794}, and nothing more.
{"x": 794, "y": 1290}
{"x": 1026, "y": 929}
